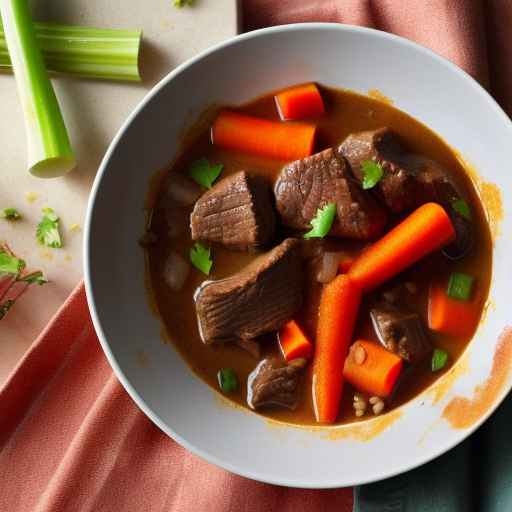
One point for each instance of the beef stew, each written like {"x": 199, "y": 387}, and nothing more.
{"x": 240, "y": 287}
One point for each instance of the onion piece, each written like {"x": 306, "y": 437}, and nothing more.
{"x": 176, "y": 271}
{"x": 328, "y": 268}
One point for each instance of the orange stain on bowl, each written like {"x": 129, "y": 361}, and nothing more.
{"x": 375, "y": 94}
{"x": 462, "y": 412}
{"x": 441, "y": 387}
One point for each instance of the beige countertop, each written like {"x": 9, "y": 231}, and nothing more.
{"x": 93, "y": 112}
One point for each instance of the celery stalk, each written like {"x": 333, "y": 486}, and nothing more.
{"x": 110, "y": 54}
{"x": 49, "y": 149}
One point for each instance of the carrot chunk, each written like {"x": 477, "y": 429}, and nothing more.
{"x": 293, "y": 341}
{"x": 283, "y": 141}
{"x": 425, "y": 230}
{"x": 452, "y": 316}
{"x": 371, "y": 368}
{"x": 300, "y": 102}
{"x": 338, "y": 309}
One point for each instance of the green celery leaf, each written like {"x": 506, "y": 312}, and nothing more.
{"x": 35, "y": 278}
{"x": 10, "y": 214}
{"x": 439, "y": 359}
{"x": 462, "y": 208}
{"x": 10, "y": 264}
{"x": 200, "y": 258}
{"x": 372, "y": 173}
{"x": 47, "y": 232}
{"x": 203, "y": 173}
{"x": 322, "y": 221}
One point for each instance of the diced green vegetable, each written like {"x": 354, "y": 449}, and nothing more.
{"x": 439, "y": 359}
{"x": 462, "y": 208}
{"x": 10, "y": 264}
{"x": 110, "y": 54}
{"x": 228, "y": 381}
{"x": 372, "y": 173}
{"x": 460, "y": 286}
{"x": 182, "y": 3}
{"x": 10, "y": 214}
{"x": 49, "y": 149}
{"x": 200, "y": 258}
{"x": 322, "y": 222}
{"x": 203, "y": 173}
{"x": 47, "y": 232}
{"x": 34, "y": 278}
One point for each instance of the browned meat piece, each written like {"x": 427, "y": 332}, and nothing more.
{"x": 401, "y": 332}
{"x": 306, "y": 185}
{"x": 276, "y": 384}
{"x": 258, "y": 299}
{"x": 250, "y": 346}
{"x": 237, "y": 212}
{"x": 409, "y": 180}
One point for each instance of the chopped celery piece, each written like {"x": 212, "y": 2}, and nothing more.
{"x": 49, "y": 149}
{"x": 110, "y": 54}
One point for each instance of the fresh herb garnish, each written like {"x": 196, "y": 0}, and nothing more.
{"x": 439, "y": 359}
{"x": 460, "y": 286}
{"x": 462, "y": 208}
{"x": 200, "y": 258}
{"x": 10, "y": 214}
{"x": 203, "y": 173}
{"x": 228, "y": 381}
{"x": 372, "y": 173}
{"x": 10, "y": 264}
{"x": 322, "y": 221}
{"x": 34, "y": 278}
{"x": 47, "y": 232}
{"x": 182, "y": 3}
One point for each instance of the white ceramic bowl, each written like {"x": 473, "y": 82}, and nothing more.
{"x": 421, "y": 83}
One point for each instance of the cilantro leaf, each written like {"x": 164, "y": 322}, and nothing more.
{"x": 203, "y": 173}
{"x": 35, "y": 278}
{"x": 372, "y": 173}
{"x": 322, "y": 221}
{"x": 439, "y": 359}
{"x": 10, "y": 214}
{"x": 10, "y": 264}
{"x": 462, "y": 208}
{"x": 182, "y": 3}
{"x": 200, "y": 258}
{"x": 47, "y": 232}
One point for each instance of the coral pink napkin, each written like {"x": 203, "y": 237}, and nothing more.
{"x": 70, "y": 437}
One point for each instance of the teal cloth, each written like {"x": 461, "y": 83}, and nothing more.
{"x": 476, "y": 476}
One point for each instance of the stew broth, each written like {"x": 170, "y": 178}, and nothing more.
{"x": 346, "y": 112}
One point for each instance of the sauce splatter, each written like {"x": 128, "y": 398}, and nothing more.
{"x": 462, "y": 412}
{"x": 441, "y": 387}
{"x": 377, "y": 95}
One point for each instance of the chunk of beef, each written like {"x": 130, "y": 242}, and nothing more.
{"x": 409, "y": 180}
{"x": 237, "y": 212}
{"x": 308, "y": 184}
{"x": 401, "y": 332}
{"x": 273, "y": 383}
{"x": 258, "y": 299}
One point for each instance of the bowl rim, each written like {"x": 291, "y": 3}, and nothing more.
{"x": 89, "y": 287}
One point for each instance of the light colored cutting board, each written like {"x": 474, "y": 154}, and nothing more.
{"x": 93, "y": 112}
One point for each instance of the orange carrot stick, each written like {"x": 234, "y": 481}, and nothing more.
{"x": 452, "y": 316}
{"x": 425, "y": 230}
{"x": 371, "y": 368}
{"x": 338, "y": 309}
{"x": 299, "y": 102}
{"x": 284, "y": 141}
{"x": 293, "y": 342}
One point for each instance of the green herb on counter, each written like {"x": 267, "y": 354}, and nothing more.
{"x": 10, "y": 214}
{"x": 47, "y": 232}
